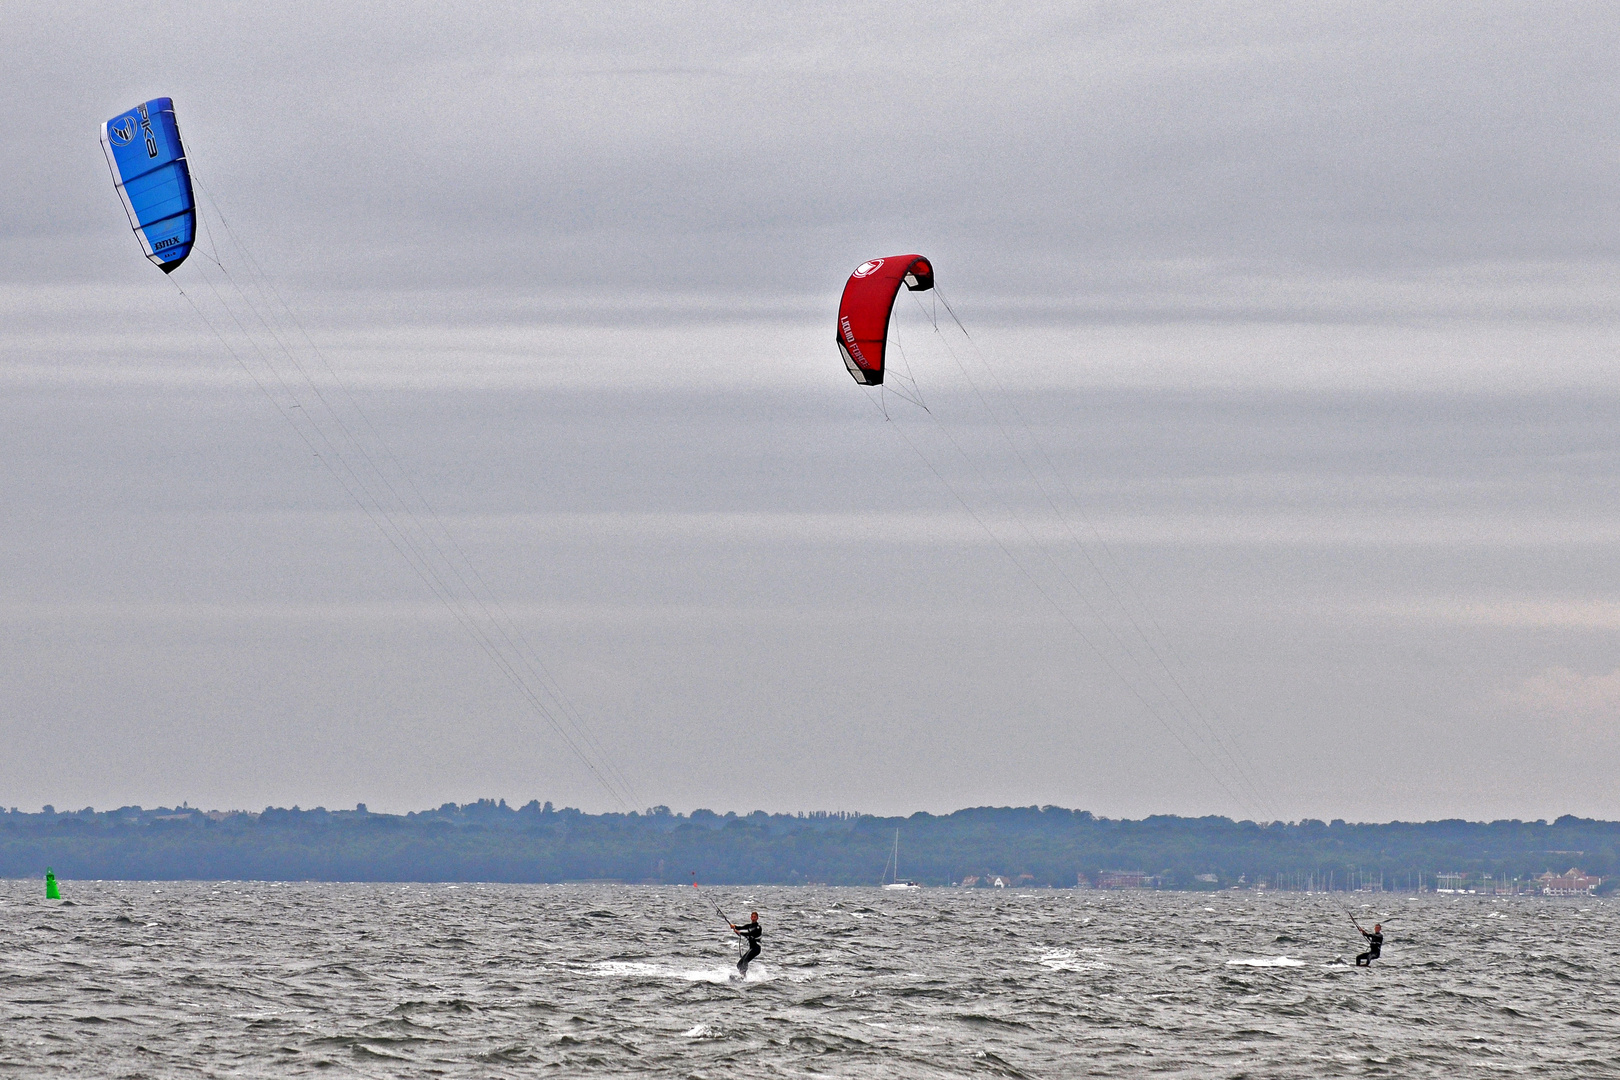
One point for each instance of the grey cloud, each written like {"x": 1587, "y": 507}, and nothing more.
{"x": 186, "y": 582}
{"x": 1312, "y": 306}
{"x": 1030, "y": 150}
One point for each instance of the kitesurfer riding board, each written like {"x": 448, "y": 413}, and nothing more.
{"x": 1375, "y": 944}
{"x": 751, "y": 933}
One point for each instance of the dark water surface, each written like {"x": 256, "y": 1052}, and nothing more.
{"x": 140, "y": 979}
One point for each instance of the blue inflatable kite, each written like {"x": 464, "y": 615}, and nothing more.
{"x": 149, "y": 166}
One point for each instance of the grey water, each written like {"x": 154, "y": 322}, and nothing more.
{"x": 165, "y": 979}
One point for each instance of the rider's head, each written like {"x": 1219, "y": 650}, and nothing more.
{"x": 753, "y": 916}
{"x": 1378, "y": 927}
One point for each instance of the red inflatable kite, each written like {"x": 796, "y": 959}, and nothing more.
{"x": 863, "y": 314}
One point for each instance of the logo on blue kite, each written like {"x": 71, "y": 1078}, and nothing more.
{"x": 122, "y": 131}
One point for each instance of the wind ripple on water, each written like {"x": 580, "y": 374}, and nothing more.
{"x": 473, "y": 980}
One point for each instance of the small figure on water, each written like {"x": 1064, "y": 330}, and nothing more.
{"x": 750, "y": 932}
{"x": 1375, "y": 944}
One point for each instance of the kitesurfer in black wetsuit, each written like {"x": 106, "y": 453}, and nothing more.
{"x": 1375, "y": 945}
{"x": 750, "y": 932}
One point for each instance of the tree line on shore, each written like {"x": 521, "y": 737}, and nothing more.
{"x": 1025, "y": 846}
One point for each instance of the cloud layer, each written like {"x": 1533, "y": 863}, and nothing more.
{"x": 1310, "y": 311}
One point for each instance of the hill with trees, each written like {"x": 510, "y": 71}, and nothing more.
{"x": 1028, "y": 846}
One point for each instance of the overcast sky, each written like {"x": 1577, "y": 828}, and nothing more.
{"x": 1295, "y": 330}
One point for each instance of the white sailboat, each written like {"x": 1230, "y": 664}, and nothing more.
{"x": 895, "y": 882}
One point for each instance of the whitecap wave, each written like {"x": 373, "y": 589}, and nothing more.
{"x": 1069, "y": 960}
{"x": 1266, "y": 961}
{"x": 758, "y": 973}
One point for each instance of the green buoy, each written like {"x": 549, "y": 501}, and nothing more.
{"x": 51, "y": 891}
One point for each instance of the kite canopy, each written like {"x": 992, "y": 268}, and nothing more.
{"x": 863, "y": 314}
{"x": 149, "y": 167}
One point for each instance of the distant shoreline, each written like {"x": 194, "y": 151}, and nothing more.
{"x": 1025, "y": 847}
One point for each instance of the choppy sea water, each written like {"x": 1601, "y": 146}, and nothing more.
{"x": 142, "y": 979}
